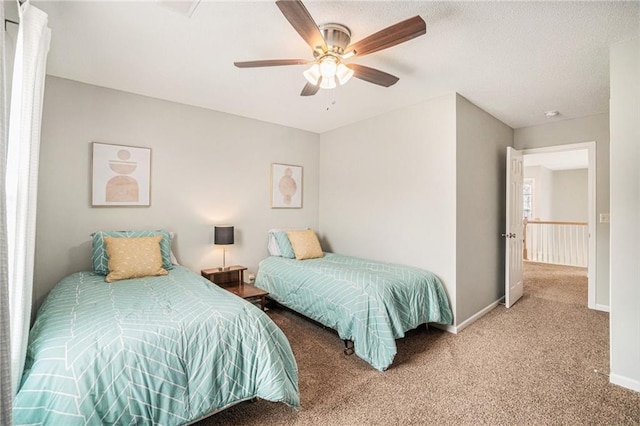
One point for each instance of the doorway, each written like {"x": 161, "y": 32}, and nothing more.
{"x": 572, "y": 156}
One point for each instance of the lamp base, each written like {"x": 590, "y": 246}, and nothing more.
{"x": 224, "y": 262}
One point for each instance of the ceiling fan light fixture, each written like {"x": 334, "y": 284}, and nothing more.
{"x": 328, "y": 67}
{"x": 328, "y": 83}
{"x": 344, "y": 74}
{"x": 325, "y": 70}
{"x": 313, "y": 74}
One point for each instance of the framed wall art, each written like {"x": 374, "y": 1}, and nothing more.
{"x": 286, "y": 186}
{"x": 121, "y": 175}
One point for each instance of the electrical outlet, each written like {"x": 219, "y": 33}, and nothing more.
{"x": 251, "y": 277}
{"x": 604, "y": 217}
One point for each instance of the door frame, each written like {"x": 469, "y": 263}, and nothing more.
{"x": 591, "y": 211}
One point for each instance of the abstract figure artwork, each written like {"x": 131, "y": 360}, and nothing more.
{"x": 122, "y": 188}
{"x": 121, "y": 175}
{"x": 286, "y": 186}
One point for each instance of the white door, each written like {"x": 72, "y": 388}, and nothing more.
{"x": 513, "y": 236}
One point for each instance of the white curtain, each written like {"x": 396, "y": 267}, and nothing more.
{"x": 27, "y": 91}
{"x": 6, "y": 393}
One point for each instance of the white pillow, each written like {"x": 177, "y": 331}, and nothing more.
{"x": 174, "y": 261}
{"x": 272, "y": 244}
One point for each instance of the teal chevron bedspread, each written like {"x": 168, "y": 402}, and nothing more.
{"x": 370, "y": 303}
{"x": 158, "y": 350}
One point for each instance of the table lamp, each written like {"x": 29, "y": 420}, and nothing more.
{"x": 223, "y": 236}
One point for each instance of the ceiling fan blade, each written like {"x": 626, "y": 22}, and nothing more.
{"x": 271, "y": 63}
{"x": 373, "y": 75}
{"x": 310, "y": 89}
{"x": 390, "y": 36}
{"x": 301, "y": 20}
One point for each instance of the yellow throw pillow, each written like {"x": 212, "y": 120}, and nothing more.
{"x": 134, "y": 257}
{"x": 305, "y": 244}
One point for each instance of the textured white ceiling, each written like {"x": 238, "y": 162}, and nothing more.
{"x": 515, "y": 60}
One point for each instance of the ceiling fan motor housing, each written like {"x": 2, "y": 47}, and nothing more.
{"x": 336, "y": 36}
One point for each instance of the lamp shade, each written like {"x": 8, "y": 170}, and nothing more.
{"x": 223, "y": 235}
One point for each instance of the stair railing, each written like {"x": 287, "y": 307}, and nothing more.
{"x": 562, "y": 243}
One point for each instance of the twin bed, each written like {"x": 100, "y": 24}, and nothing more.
{"x": 171, "y": 347}
{"x": 157, "y": 345}
{"x": 369, "y": 304}
{"x": 164, "y": 349}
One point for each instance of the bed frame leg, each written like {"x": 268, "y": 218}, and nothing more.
{"x": 348, "y": 347}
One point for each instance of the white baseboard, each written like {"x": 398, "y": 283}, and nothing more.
{"x": 466, "y": 323}
{"x": 450, "y": 328}
{"x": 456, "y": 329}
{"x": 625, "y": 382}
{"x": 603, "y": 308}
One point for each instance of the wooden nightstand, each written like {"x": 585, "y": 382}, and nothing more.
{"x": 232, "y": 279}
{"x": 247, "y": 291}
{"x": 227, "y": 277}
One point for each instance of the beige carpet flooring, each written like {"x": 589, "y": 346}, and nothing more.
{"x": 532, "y": 364}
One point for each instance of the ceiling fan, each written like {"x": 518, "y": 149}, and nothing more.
{"x": 331, "y": 47}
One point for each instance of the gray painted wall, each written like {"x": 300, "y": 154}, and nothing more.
{"x": 569, "y": 196}
{"x": 542, "y": 191}
{"x": 482, "y": 142}
{"x": 585, "y": 129}
{"x": 559, "y": 195}
{"x": 625, "y": 214}
{"x": 207, "y": 168}
{"x": 422, "y": 186}
{"x": 387, "y": 188}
